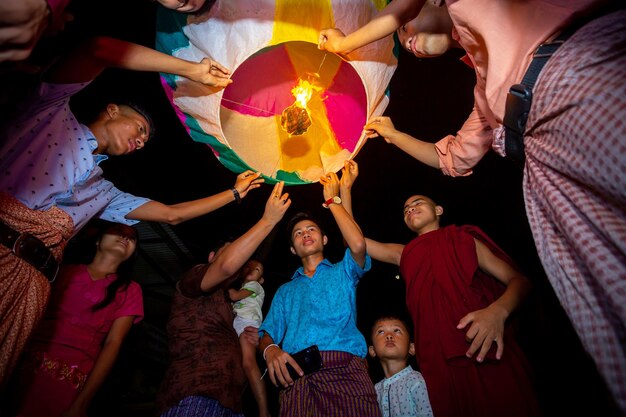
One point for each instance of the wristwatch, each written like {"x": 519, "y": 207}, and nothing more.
{"x": 334, "y": 200}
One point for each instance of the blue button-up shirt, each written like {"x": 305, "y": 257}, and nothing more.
{"x": 319, "y": 310}
{"x": 47, "y": 160}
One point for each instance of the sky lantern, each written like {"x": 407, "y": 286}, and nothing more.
{"x": 293, "y": 112}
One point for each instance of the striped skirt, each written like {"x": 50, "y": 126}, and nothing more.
{"x": 575, "y": 187}
{"x": 342, "y": 388}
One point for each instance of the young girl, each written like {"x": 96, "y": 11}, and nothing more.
{"x": 91, "y": 311}
{"x": 248, "y": 301}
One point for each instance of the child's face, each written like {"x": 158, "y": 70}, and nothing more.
{"x": 253, "y": 271}
{"x": 391, "y": 340}
{"x": 420, "y": 212}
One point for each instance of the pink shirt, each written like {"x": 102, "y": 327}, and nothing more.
{"x": 500, "y": 38}
{"x": 71, "y": 331}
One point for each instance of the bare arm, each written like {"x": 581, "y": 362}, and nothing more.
{"x": 236, "y": 295}
{"x": 387, "y": 21}
{"x": 424, "y": 152}
{"x": 178, "y": 213}
{"x": 21, "y": 25}
{"x": 92, "y": 57}
{"x": 384, "y": 252}
{"x": 102, "y": 366}
{"x": 487, "y": 325}
{"x": 350, "y": 230}
{"x": 238, "y": 252}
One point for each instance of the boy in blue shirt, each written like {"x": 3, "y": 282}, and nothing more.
{"x": 318, "y": 307}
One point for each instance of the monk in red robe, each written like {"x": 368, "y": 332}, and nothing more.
{"x": 460, "y": 290}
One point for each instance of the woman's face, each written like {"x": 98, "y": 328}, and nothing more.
{"x": 119, "y": 239}
{"x": 429, "y": 34}
{"x": 184, "y": 6}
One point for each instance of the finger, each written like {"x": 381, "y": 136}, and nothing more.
{"x": 464, "y": 321}
{"x": 500, "y": 349}
{"x": 471, "y": 333}
{"x": 473, "y": 347}
{"x": 220, "y": 67}
{"x": 484, "y": 349}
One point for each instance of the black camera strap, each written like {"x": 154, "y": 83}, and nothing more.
{"x": 519, "y": 98}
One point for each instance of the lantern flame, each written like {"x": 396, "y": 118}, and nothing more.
{"x": 296, "y": 119}
{"x": 302, "y": 92}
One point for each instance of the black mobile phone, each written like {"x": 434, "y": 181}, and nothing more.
{"x": 309, "y": 360}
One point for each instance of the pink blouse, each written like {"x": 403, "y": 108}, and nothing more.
{"x": 71, "y": 331}
{"x": 500, "y": 38}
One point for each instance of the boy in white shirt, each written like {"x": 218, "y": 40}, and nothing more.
{"x": 403, "y": 390}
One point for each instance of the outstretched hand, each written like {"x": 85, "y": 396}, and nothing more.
{"x": 330, "y": 40}
{"x": 380, "y": 126}
{"x": 349, "y": 172}
{"x": 246, "y": 181}
{"x": 277, "y": 204}
{"x": 211, "y": 73}
{"x": 487, "y": 327}
{"x": 330, "y": 181}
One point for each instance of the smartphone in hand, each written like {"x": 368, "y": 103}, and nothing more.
{"x": 309, "y": 360}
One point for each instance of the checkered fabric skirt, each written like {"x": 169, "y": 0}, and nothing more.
{"x": 575, "y": 187}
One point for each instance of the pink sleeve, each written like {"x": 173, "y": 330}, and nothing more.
{"x": 459, "y": 154}
{"x": 131, "y": 303}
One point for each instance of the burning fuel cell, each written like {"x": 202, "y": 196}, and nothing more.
{"x": 296, "y": 119}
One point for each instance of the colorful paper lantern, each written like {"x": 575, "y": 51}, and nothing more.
{"x": 258, "y": 122}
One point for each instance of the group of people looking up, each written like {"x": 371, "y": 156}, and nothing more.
{"x": 460, "y": 286}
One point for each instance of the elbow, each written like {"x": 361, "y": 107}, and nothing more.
{"x": 172, "y": 217}
{"x": 359, "y": 247}
{"x": 228, "y": 267}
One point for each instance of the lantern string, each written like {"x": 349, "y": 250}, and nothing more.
{"x": 252, "y": 107}
{"x": 322, "y": 63}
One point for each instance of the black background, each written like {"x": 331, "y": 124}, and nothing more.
{"x": 428, "y": 99}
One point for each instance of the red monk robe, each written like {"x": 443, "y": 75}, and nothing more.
{"x": 443, "y": 284}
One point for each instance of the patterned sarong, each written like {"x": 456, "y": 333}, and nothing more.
{"x": 342, "y": 388}
{"x": 575, "y": 187}
{"x": 24, "y": 291}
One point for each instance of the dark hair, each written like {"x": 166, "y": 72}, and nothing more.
{"x": 401, "y": 317}
{"x": 123, "y": 272}
{"x": 142, "y": 111}
{"x": 297, "y": 218}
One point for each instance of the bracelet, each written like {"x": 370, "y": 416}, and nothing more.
{"x": 236, "y": 194}
{"x": 267, "y": 347}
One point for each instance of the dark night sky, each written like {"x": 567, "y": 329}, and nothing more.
{"x": 429, "y": 99}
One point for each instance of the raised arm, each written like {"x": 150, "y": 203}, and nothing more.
{"x": 487, "y": 325}
{"x": 237, "y": 253}
{"x": 387, "y": 21}
{"x": 93, "y": 56}
{"x": 424, "y": 152}
{"x": 384, "y": 252}
{"x": 178, "y": 213}
{"x": 350, "y": 230}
